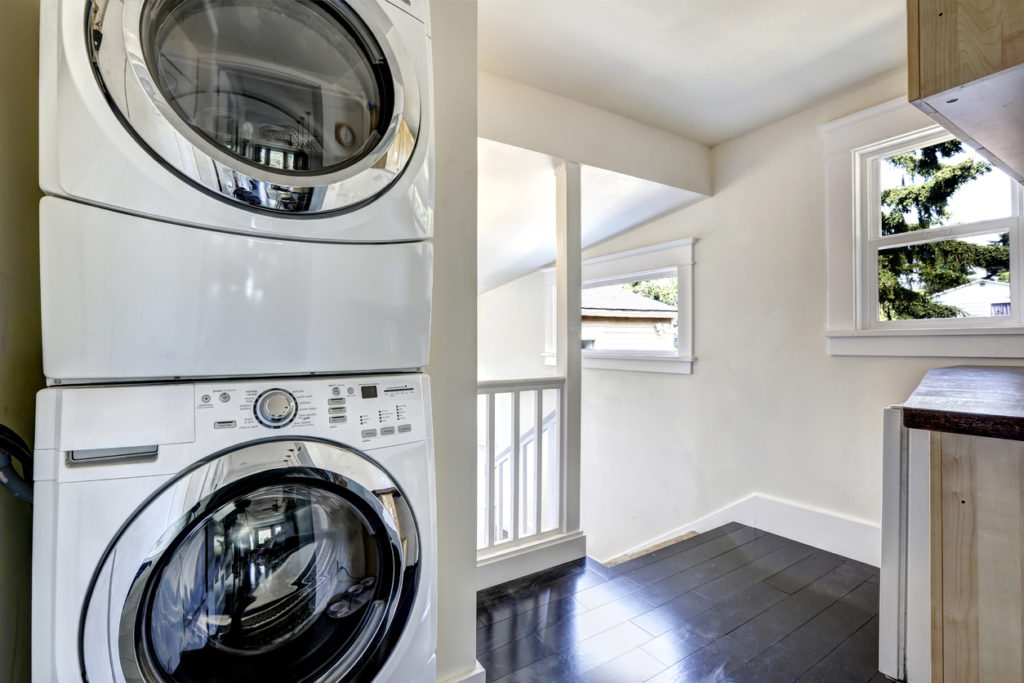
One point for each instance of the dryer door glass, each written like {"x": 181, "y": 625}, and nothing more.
{"x": 298, "y": 86}
{"x": 293, "y": 106}
{"x": 294, "y": 567}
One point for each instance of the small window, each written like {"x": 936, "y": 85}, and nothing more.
{"x": 635, "y": 310}
{"x": 640, "y": 316}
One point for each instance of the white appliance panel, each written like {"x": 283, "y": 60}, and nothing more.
{"x": 125, "y": 297}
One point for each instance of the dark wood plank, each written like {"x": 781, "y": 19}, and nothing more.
{"x": 810, "y": 569}
{"x": 964, "y": 399}
{"x": 788, "y": 615}
{"x": 760, "y": 569}
{"x": 587, "y": 624}
{"x": 855, "y": 661}
{"x": 699, "y": 552}
{"x": 513, "y": 657}
{"x": 799, "y": 651}
{"x": 685, "y": 581}
{"x": 522, "y": 624}
{"x": 583, "y": 656}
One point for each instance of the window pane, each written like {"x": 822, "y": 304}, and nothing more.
{"x": 961, "y": 278}
{"x": 943, "y": 184}
{"x": 631, "y": 316}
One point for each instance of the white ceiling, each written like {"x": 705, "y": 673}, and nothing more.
{"x": 708, "y": 70}
{"x": 516, "y": 210}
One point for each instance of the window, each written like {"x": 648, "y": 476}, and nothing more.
{"x": 924, "y": 240}
{"x": 935, "y": 243}
{"x": 636, "y": 310}
{"x": 635, "y": 316}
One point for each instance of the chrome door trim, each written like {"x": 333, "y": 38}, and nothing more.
{"x": 141, "y": 107}
{"x": 407, "y": 577}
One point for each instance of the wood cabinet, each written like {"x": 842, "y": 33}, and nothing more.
{"x": 976, "y": 466}
{"x": 977, "y": 558}
{"x": 966, "y": 71}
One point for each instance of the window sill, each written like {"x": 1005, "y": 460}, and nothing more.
{"x": 673, "y": 365}
{"x": 975, "y": 342}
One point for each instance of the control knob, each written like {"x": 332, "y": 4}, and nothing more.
{"x": 275, "y": 408}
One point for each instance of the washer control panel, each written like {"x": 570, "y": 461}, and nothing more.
{"x": 364, "y": 411}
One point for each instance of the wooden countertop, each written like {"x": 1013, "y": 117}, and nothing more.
{"x": 965, "y": 399}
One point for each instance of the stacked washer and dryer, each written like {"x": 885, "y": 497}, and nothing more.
{"x": 234, "y": 473}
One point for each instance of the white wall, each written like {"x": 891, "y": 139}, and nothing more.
{"x": 452, "y": 366}
{"x": 519, "y": 114}
{"x": 510, "y": 324}
{"x": 20, "y": 345}
{"x": 767, "y": 409}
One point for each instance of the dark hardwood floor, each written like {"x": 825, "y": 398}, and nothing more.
{"x": 732, "y": 604}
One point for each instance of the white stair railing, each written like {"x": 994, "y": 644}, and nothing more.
{"x": 520, "y": 463}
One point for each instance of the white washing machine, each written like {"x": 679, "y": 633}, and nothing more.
{"x": 235, "y": 531}
{"x": 297, "y": 119}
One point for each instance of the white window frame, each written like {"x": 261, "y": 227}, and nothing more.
{"x": 853, "y": 149}
{"x": 659, "y": 260}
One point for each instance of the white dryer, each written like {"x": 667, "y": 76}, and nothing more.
{"x": 297, "y": 119}
{"x": 235, "y": 531}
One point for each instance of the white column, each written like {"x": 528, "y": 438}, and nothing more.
{"x": 568, "y": 281}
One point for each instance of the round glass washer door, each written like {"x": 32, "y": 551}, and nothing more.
{"x": 292, "y": 106}
{"x": 287, "y": 561}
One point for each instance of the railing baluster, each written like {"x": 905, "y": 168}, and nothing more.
{"x": 563, "y": 441}
{"x": 538, "y": 452}
{"x": 515, "y": 466}
{"x": 492, "y": 507}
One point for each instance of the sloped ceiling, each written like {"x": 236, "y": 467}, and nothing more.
{"x": 516, "y": 210}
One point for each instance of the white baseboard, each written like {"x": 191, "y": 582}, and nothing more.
{"x": 477, "y": 675}
{"x": 530, "y": 559}
{"x": 847, "y": 536}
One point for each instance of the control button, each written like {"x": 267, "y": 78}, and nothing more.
{"x": 205, "y": 398}
{"x": 339, "y": 419}
{"x": 275, "y": 408}
{"x": 225, "y": 397}
{"x": 337, "y": 411}
{"x": 387, "y": 431}
{"x": 368, "y": 433}
{"x": 224, "y": 424}
{"x": 351, "y": 390}
{"x": 336, "y": 402}
{"x": 403, "y": 429}
{"x": 335, "y": 391}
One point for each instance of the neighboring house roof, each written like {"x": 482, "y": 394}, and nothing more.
{"x": 615, "y": 301}
{"x": 996, "y": 284}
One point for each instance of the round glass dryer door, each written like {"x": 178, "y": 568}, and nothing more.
{"x": 292, "y": 106}
{"x": 286, "y": 561}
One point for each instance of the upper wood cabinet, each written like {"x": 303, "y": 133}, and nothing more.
{"x": 966, "y": 66}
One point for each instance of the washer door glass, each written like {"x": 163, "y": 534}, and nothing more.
{"x": 294, "y": 567}
{"x": 286, "y": 86}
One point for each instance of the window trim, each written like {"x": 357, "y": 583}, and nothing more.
{"x": 626, "y": 266}
{"x": 851, "y": 145}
